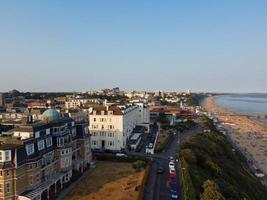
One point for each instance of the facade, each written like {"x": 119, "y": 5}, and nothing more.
{"x": 38, "y": 159}
{"x": 112, "y": 126}
{"x": 144, "y": 113}
{"x": 73, "y": 103}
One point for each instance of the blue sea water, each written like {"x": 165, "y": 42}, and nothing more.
{"x": 252, "y": 104}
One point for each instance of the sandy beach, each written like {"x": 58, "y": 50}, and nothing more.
{"x": 248, "y": 133}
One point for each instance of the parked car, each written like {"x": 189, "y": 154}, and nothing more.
{"x": 174, "y": 194}
{"x": 171, "y": 165}
{"x": 121, "y": 155}
{"x": 172, "y": 171}
{"x": 172, "y": 176}
{"x": 171, "y": 158}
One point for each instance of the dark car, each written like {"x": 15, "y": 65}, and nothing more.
{"x": 160, "y": 170}
{"x": 173, "y": 190}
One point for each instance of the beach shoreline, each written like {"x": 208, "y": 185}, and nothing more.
{"x": 247, "y": 132}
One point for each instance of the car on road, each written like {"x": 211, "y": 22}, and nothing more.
{"x": 172, "y": 175}
{"x": 173, "y": 190}
{"x": 160, "y": 169}
{"x": 171, "y": 158}
{"x": 174, "y": 194}
{"x": 171, "y": 165}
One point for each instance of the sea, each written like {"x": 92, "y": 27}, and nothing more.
{"x": 251, "y": 104}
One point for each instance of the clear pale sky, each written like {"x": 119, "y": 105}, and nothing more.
{"x": 79, "y": 45}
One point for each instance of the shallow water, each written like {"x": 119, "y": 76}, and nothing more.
{"x": 252, "y": 104}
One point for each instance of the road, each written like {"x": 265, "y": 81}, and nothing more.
{"x": 157, "y": 187}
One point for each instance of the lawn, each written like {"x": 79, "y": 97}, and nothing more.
{"x": 109, "y": 180}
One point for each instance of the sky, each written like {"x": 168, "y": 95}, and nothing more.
{"x": 207, "y": 45}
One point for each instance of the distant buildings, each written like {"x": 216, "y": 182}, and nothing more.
{"x": 38, "y": 159}
{"x": 160, "y": 93}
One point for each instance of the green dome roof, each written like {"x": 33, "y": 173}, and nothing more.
{"x": 51, "y": 115}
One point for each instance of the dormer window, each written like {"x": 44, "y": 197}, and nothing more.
{"x": 49, "y": 142}
{"x": 41, "y": 145}
{"x": 37, "y": 134}
{"x": 30, "y": 149}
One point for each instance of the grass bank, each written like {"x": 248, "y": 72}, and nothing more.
{"x": 210, "y": 167}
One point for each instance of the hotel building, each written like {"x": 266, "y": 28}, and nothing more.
{"x": 38, "y": 159}
{"x": 112, "y": 126}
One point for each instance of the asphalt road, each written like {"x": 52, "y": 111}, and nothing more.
{"x": 157, "y": 187}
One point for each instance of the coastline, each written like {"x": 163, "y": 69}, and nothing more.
{"x": 245, "y": 131}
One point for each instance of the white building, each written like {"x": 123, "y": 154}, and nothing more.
{"x": 111, "y": 126}
{"x": 73, "y": 103}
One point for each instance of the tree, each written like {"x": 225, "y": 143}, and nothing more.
{"x": 162, "y": 118}
{"x": 211, "y": 191}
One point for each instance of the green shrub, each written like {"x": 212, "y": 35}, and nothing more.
{"x": 139, "y": 165}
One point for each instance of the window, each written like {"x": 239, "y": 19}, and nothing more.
{"x": 1, "y": 173}
{"x": 60, "y": 142}
{"x": 94, "y": 119}
{"x": 7, "y": 172}
{"x": 37, "y": 134}
{"x": 1, "y": 156}
{"x": 1, "y": 188}
{"x": 41, "y": 145}
{"x": 110, "y": 143}
{"x": 8, "y": 187}
{"x": 7, "y": 156}
{"x": 30, "y": 149}
{"x": 31, "y": 180}
{"x": 38, "y": 177}
{"x": 49, "y": 142}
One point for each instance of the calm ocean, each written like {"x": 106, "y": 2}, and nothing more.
{"x": 253, "y": 104}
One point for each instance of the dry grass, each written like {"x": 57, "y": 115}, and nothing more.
{"x": 109, "y": 180}
{"x": 162, "y": 137}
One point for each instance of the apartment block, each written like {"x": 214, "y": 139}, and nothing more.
{"x": 38, "y": 159}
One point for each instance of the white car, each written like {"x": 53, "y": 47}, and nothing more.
{"x": 121, "y": 155}
{"x": 171, "y": 165}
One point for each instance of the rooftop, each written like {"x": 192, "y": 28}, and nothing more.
{"x": 9, "y": 146}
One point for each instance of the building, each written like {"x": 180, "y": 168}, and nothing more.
{"x": 160, "y": 93}
{"x": 111, "y": 126}
{"x": 2, "y": 100}
{"x": 38, "y": 159}
{"x": 73, "y": 103}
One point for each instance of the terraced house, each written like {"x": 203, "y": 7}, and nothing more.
{"x": 38, "y": 159}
